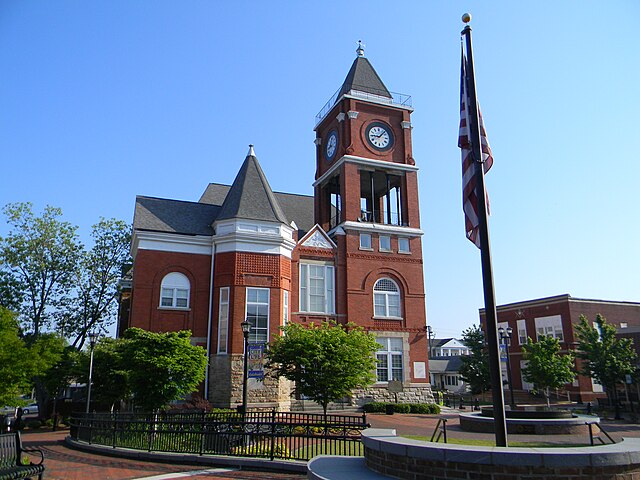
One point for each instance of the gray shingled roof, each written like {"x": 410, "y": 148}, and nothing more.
{"x": 174, "y": 216}
{"x": 363, "y": 78}
{"x": 251, "y": 197}
{"x": 253, "y": 200}
{"x": 445, "y": 364}
{"x": 297, "y": 208}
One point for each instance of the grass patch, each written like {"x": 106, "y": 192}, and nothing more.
{"x": 492, "y": 443}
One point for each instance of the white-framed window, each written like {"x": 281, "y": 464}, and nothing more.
{"x": 452, "y": 380}
{"x": 223, "y": 320}
{"x": 389, "y": 356}
{"x": 386, "y": 299}
{"x": 257, "y": 309}
{"x": 550, "y": 326}
{"x": 317, "y": 292}
{"x": 522, "y": 331}
{"x": 365, "y": 241}
{"x": 285, "y": 308}
{"x": 174, "y": 291}
{"x": 403, "y": 245}
{"x": 624, "y": 324}
{"x": 385, "y": 243}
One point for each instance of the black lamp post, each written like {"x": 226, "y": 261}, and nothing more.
{"x": 246, "y": 328}
{"x": 505, "y": 336}
{"x": 93, "y": 338}
{"x": 430, "y": 335}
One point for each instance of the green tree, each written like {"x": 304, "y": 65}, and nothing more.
{"x": 546, "y": 368}
{"x": 93, "y": 305}
{"x": 41, "y": 254}
{"x": 10, "y": 294}
{"x": 605, "y": 358}
{"x": 110, "y": 380}
{"x": 474, "y": 368}
{"x": 16, "y": 365}
{"x": 162, "y": 367}
{"x": 325, "y": 361}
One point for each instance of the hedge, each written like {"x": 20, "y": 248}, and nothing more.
{"x": 381, "y": 407}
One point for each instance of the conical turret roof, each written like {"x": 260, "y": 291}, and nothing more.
{"x": 250, "y": 196}
{"x": 362, "y": 77}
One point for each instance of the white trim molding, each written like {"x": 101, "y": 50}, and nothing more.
{"x": 170, "y": 242}
{"x": 381, "y": 228}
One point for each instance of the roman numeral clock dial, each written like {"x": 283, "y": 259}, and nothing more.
{"x": 379, "y": 136}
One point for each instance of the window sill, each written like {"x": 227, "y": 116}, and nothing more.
{"x": 301, "y": 312}
{"x": 388, "y": 318}
{"x": 180, "y": 309}
{"x": 404, "y": 253}
{"x": 366, "y": 249}
{"x": 383, "y": 250}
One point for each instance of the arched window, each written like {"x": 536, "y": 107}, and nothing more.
{"x": 175, "y": 291}
{"x": 386, "y": 298}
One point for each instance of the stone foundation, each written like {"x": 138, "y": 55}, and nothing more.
{"x": 225, "y": 386}
{"x": 413, "y": 393}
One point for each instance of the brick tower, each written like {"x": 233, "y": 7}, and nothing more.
{"x": 366, "y": 199}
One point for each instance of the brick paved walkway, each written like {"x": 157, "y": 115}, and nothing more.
{"x": 64, "y": 463}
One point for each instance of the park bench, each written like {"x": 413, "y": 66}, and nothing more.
{"x": 11, "y": 459}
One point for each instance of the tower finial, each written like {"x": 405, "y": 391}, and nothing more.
{"x": 360, "y": 49}
{"x": 251, "y": 152}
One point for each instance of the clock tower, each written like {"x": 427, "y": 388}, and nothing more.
{"x": 366, "y": 198}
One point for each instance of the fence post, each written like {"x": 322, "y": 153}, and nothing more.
{"x": 90, "y": 418}
{"x": 202, "y": 430}
{"x": 273, "y": 433}
{"x": 115, "y": 428}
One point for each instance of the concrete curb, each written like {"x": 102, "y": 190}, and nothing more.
{"x": 246, "y": 463}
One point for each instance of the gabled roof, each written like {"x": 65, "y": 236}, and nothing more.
{"x": 250, "y": 196}
{"x": 363, "y": 78}
{"x": 174, "y": 216}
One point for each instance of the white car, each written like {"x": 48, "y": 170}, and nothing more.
{"x": 7, "y": 410}
{"x": 31, "y": 409}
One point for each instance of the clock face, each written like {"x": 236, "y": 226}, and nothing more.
{"x": 379, "y": 136}
{"x": 332, "y": 145}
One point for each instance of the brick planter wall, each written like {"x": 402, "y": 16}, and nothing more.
{"x": 404, "y": 458}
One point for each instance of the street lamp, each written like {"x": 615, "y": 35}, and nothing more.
{"x": 505, "y": 336}
{"x": 430, "y": 335}
{"x": 93, "y": 338}
{"x": 246, "y": 328}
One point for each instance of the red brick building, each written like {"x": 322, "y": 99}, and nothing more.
{"x": 556, "y": 316}
{"x": 350, "y": 253}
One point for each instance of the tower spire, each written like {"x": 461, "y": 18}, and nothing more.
{"x": 360, "y": 49}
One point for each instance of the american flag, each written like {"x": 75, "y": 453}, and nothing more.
{"x": 469, "y": 197}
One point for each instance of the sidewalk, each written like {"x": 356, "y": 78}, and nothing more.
{"x": 64, "y": 463}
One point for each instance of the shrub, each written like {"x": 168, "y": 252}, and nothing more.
{"x": 374, "y": 407}
{"x": 425, "y": 408}
{"x": 33, "y": 424}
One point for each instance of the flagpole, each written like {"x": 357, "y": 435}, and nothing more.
{"x": 500, "y": 425}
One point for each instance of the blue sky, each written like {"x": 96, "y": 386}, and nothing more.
{"x": 100, "y": 101}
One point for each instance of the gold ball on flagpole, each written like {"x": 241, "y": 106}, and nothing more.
{"x": 466, "y": 17}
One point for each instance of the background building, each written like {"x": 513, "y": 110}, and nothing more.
{"x": 350, "y": 253}
{"x": 556, "y": 317}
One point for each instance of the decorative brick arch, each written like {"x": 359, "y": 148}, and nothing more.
{"x": 385, "y": 272}
{"x": 163, "y": 272}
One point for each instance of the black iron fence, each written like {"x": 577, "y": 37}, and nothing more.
{"x": 267, "y": 434}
